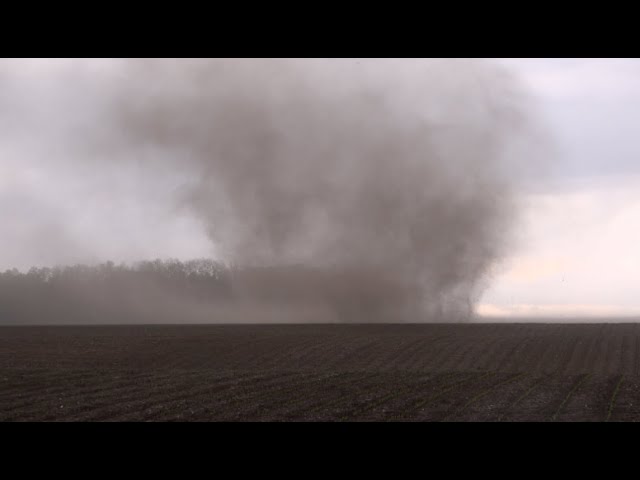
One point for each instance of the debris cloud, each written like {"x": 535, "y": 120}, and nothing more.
{"x": 388, "y": 180}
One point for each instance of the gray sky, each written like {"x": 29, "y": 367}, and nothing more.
{"x": 576, "y": 251}
{"x": 124, "y": 210}
{"x": 578, "y": 239}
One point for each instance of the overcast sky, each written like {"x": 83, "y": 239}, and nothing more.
{"x": 577, "y": 242}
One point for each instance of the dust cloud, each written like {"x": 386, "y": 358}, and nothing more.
{"x": 373, "y": 189}
{"x": 380, "y": 185}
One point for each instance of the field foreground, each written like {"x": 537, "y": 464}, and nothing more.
{"x": 470, "y": 372}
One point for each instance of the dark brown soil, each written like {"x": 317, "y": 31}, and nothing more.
{"x": 469, "y": 372}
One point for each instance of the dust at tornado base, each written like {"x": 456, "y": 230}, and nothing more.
{"x": 470, "y": 372}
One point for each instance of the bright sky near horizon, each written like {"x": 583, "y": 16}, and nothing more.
{"x": 576, "y": 252}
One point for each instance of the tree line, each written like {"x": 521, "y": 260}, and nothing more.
{"x": 174, "y": 291}
{"x": 110, "y": 293}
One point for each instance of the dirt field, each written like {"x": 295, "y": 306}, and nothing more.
{"x": 475, "y": 372}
